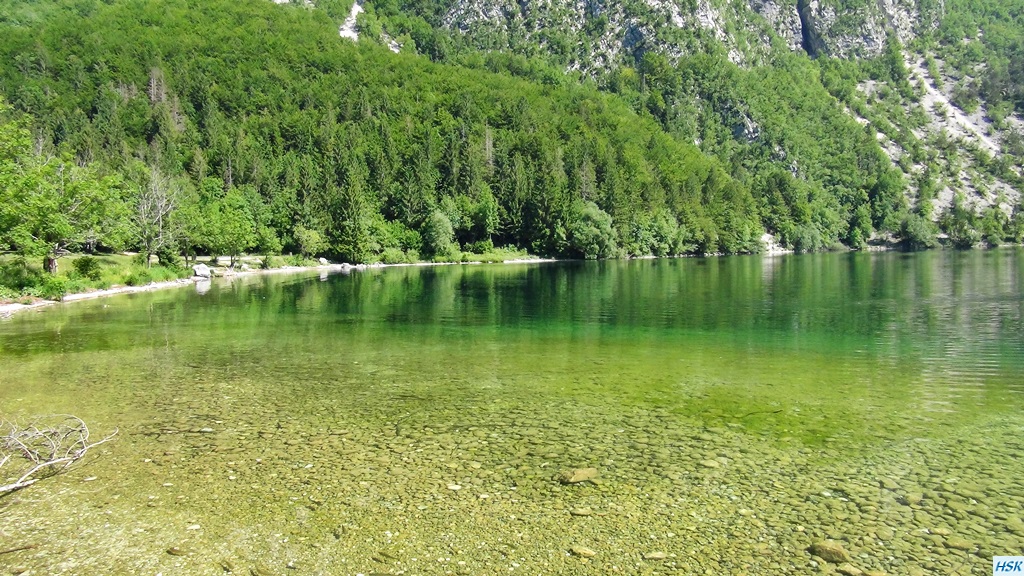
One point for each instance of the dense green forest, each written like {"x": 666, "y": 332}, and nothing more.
{"x": 271, "y": 133}
{"x": 217, "y": 127}
{"x": 779, "y": 113}
{"x": 983, "y": 42}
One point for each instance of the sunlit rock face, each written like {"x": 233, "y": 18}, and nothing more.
{"x": 594, "y": 34}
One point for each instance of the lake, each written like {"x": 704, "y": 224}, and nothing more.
{"x": 416, "y": 420}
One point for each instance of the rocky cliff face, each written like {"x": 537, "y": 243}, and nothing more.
{"x": 594, "y": 33}
{"x": 597, "y": 33}
{"x": 783, "y": 18}
{"x": 849, "y": 29}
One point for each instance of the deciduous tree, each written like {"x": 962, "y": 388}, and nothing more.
{"x": 152, "y": 218}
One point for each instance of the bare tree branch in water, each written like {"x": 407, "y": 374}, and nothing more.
{"x": 42, "y": 448}
{"x": 18, "y": 549}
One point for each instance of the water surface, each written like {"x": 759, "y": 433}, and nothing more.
{"x": 413, "y": 420}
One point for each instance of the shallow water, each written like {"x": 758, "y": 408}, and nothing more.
{"x": 414, "y": 420}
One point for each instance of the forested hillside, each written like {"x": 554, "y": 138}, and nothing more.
{"x": 225, "y": 127}
{"x": 259, "y": 108}
{"x": 769, "y": 85}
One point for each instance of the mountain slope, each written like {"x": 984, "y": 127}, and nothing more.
{"x": 951, "y": 133}
{"x": 568, "y": 128}
{"x": 375, "y": 151}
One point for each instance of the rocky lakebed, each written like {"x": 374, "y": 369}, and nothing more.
{"x": 506, "y": 490}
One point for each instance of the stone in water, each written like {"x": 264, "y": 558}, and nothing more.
{"x": 849, "y": 570}
{"x": 578, "y": 475}
{"x": 958, "y": 544}
{"x": 583, "y": 551}
{"x": 830, "y": 551}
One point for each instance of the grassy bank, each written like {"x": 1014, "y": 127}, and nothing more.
{"x": 24, "y": 281}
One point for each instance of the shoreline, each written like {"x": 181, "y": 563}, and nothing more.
{"x": 10, "y": 309}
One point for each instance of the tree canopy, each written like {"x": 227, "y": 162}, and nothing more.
{"x": 305, "y": 132}
{"x": 237, "y": 126}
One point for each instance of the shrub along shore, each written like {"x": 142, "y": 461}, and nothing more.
{"x": 85, "y": 277}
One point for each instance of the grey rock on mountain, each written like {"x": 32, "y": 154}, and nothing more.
{"x": 747, "y": 28}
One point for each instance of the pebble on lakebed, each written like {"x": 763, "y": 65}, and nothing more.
{"x": 583, "y": 551}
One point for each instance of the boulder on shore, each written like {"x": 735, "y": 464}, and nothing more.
{"x": 324, "y": 262}
{"x": 202, "y": 270}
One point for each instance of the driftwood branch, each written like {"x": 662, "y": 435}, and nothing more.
{"x": 42, "y": 448}
{"x": 18, "y": 549}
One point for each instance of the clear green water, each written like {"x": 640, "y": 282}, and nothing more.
{"x": 738, "y": 410}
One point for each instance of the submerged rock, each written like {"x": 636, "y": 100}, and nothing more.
{"x": 578, "y": 475}
{"x": 830, "y": 551}
{"x": 849, "y": 570}
{"x": 583, "y": 551}
{"x": 888, "y": 483}
{"x": 958, "y": 544}
{"x": 913, "y": 498}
